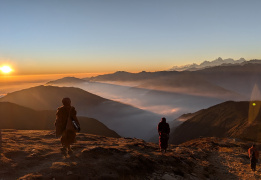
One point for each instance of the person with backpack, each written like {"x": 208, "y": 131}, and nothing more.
{"x": 253, "y": 155}
{"x": 65, "y": 123}
{"x": 163, "y": 130}
{"x": 0, "y": 138}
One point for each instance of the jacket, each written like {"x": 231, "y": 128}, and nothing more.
{"x": 250, "y": 151}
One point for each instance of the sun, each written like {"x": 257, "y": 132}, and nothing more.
{"x": 6, "y": 69}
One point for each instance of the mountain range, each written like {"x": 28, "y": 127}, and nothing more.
{"x": 231, "y": 81}
{"x": 206, "y": 64}
{"x": 161, "y": 92}
{"x": 172, "y": 93}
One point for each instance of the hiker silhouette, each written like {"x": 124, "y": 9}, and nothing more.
{"x": 0, "y": 141}
{"x": 64, "y": 125}
{"x": 163, "y": 130}
{"x": 253, "y": 155}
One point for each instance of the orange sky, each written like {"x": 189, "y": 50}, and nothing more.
{"x": 41, "y": 77}
{"x": 11, "y": 83}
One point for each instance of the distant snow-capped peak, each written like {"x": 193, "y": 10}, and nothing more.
{"x": 217, "y": 62}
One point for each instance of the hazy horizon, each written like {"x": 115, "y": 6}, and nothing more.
{"x": 12, "y": 82}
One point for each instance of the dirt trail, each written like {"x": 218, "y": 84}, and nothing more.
{"x": 234, "y": 161}
{"x": 37, "y": 155}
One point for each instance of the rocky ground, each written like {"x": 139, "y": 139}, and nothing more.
{"x": 34, "y": 154}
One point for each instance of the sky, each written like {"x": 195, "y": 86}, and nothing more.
{"x": 101, "y": 36}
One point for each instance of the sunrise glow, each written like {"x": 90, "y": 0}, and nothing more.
{"x": 6, "y": 69}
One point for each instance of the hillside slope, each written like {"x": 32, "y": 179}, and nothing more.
{"x": 18, "y": 117}
{"x": 228, "y": 119}
{"x": 126, "y": 120}
{"x": 31, "y": 155}
{"x": 50, "y": 97}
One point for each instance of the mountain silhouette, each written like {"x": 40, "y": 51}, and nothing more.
{"x": 206, "y": 64}
{"x": 66, "y": 80}
{"x": 231, "y": 81}
{"x": 14, "y": 116}
{"x": 127, "y": 76}
{"x": 126, "y": 120}
{"x": 238, "y": 78}
{"x": 228, "y": 119}
{"x": 190, "y": 83}
{"x": 50, "y": 97}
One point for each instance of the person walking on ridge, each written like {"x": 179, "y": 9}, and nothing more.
{"x": 0, "y": 138}
{"x": 64, "y": 126}
{"x": 163, "y": 130}
{"x": 253, "y": 155}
